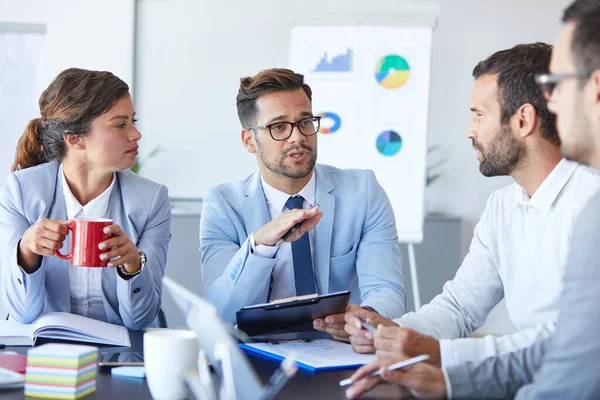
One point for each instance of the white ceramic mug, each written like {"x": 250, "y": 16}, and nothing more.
{"x": 168, "y": 355}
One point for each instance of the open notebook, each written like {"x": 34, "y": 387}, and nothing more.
{"x": 63, "y": 326}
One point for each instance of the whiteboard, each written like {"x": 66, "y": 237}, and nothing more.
{"x": 371, "y": 87}
{"x": 20, "y": 82}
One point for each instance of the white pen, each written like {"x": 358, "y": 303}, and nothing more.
{"x": 398, "y": 365}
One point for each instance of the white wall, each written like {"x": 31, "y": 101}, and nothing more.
{"x": 91, "y": 34}
{"x": 468, "y": 32}
{"x": 190, "y": 57}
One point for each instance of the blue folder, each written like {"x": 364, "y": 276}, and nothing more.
{"x": 275, "y": 357}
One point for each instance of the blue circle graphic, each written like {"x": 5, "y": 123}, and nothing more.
{"x": 337, "y": 122}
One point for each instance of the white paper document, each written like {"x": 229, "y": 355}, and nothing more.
{"x": 317, "y": 354}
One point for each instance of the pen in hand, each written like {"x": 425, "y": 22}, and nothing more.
{"x": 398, "y": 365}
{"x": 367, "y": 325}
{"x": 291, "y": 231}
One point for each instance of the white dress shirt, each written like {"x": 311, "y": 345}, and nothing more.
{"x": 85, "y": 284}
{"x": 284, "y": 283}
{"x": 518, "y": 252}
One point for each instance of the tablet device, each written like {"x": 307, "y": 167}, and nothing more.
{"x": 290, "y": 316}
{"x": 111, "y": 359}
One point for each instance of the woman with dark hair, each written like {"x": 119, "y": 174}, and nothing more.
{"x": 73, "y": 162}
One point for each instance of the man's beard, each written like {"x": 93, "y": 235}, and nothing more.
{"x": 502, "y": 155}
{"x": 279, "y": 167}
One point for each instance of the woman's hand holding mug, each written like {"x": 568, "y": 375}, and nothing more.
{"x": 121, "y": 247}
{"x": 95, "y": 243}
{"x": 41, "y": 239}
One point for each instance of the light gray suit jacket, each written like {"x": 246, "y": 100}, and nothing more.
{"x": 566, "y": 365}
{"x": 139, "y": 206}
{"x": 356, "y": 243}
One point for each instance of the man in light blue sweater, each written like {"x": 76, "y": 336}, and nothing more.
{"x": 564, "y": 365}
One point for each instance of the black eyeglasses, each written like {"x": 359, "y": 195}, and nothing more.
{"x": 548, "y": 82}
{"x": 283, "y": 130}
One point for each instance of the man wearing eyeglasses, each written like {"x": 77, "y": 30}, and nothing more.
{"x": 347, "y": 242}
{"x": 565, "y": 365}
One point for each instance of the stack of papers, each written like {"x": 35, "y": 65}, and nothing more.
{"x": 61, "y": 371}
{"x": 316, "y": 355}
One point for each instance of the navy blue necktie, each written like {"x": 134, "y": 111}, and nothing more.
{"x": 303, "y": 266}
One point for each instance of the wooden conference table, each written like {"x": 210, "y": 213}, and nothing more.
{"x": 305, "y": 385}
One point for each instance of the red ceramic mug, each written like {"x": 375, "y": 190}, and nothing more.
{"x": 86, "y": 235}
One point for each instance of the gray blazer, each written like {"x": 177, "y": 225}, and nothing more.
{"x": 566, "y": 365}
{"x": 141, "y": 207}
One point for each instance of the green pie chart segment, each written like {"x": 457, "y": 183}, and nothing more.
{"x": 392, "y": 71}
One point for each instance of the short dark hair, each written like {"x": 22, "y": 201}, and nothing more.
{"x": 267, "y": 81}
{"x": 585, "y": 44}
{"x": 516, "y": 68}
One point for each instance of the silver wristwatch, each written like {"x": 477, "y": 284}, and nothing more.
{"x": 142, "y": 265}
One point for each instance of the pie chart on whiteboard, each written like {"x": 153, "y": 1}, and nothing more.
{"x": 392, "y": 71}
{"x": 389, "y": 143}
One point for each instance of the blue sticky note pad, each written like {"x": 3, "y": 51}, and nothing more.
{"x": 133, "y": 372}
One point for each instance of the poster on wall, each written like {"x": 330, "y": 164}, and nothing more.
{"x": 371, "y": 88}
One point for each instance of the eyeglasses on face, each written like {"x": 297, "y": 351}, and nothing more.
{"x": 548, "y": 82}
{"x": 283, "y": 130}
